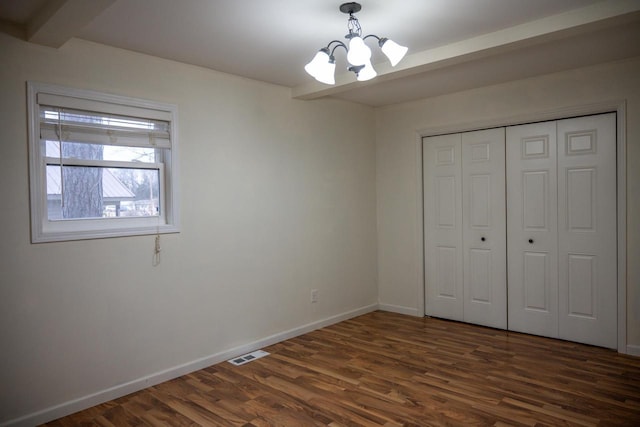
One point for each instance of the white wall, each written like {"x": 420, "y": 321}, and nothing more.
{"x": 399, "y": 198}
{"x": 278, "y": 198}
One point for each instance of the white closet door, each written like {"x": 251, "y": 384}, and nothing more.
{"x": 484, "y": 229}
{"x": 587, "y": 230}
{"x": 532, "y": 229}
{"x": 443, "y": 226}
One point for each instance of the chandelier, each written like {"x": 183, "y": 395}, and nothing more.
{"x": 323, "y": 66}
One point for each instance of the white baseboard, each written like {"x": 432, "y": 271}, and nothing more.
{"x": 633, "y": 350}
{"x": 120, "y": 390}
{"x": 411, "y": 311}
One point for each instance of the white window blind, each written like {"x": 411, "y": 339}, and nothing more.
{"x": 102, "y": 128}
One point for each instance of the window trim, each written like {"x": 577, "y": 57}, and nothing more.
{"x": 45, "y": 230}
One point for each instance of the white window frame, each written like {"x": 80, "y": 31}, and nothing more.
{"x": 45, "y": 230}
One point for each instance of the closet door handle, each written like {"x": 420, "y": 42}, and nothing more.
{"x": 483, "y": 238}
{"x": 531, "y": 241}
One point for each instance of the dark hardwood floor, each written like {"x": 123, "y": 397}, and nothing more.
{"x": 392, "y": 370}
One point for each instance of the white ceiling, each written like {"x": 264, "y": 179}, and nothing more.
{"x": 454, "y": 44}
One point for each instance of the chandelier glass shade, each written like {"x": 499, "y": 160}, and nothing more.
{"x": 359, "y": 53}
{"x": 322, "y": 68}
{"x": 393, "y": 51}
{"x": 323, "y": 65}
{"x": 366, "y": 73}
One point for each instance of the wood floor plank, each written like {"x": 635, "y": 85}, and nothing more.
{"x": 386, "y": 369}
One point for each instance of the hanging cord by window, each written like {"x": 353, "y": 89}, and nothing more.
{"x": 59, "y": 132}
{"x": 156, "y": 248}
{"x": 156, "y": 251}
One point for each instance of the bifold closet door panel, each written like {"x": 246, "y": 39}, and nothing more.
{"x": 442, "y": 187}
{"x": 587, "y": 230}
{"x": 484, "y": 228}
{"x": 532, "y": 234}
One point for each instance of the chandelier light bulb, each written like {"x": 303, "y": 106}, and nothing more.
{"x": 359, "y": 53}
{"x": 393, "y": 50}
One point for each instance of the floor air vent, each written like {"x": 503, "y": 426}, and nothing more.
{"x": 250, "y": 357}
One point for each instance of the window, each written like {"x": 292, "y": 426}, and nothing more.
{"x": 100, "y": 165}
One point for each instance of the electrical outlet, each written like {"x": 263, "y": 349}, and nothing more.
{"x": 314, "y": 295}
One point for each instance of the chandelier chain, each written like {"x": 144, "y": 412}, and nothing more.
{"x": 353, "y": 25}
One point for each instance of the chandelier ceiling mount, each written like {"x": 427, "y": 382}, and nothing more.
{"x": 350, "y": 8}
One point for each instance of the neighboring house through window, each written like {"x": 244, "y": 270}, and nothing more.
{"x": 114, "y": 192}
